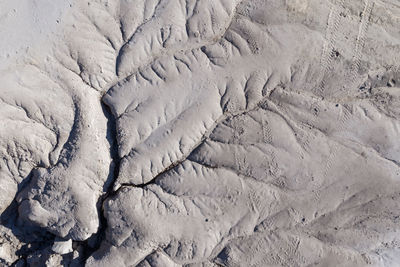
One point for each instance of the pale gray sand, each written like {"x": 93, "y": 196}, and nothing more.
{"x": 200, "y": 133}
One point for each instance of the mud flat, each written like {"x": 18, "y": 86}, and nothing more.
{"x": 200, "y": 133}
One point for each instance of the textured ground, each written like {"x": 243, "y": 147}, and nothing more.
{"x": 200, "y": 133}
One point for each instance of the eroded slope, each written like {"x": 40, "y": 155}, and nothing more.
{"x": 293, "y": 148}
{"x": 251, "y": 133}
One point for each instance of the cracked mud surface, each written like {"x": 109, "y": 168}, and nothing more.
{"x": 200, "y": 133}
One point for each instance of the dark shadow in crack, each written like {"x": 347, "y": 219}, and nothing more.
{"x": 111, "y": 136}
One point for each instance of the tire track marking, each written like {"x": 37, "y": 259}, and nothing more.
{"x": 359, "y": 45}
{"x": 328, "y": 49}
{"x": 360, "y": 41}
{"x": 268, "y": 139}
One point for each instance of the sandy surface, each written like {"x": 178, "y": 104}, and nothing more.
{"x": 200, "y": 133}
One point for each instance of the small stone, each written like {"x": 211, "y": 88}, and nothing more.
{"x": 62, "y": 246}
